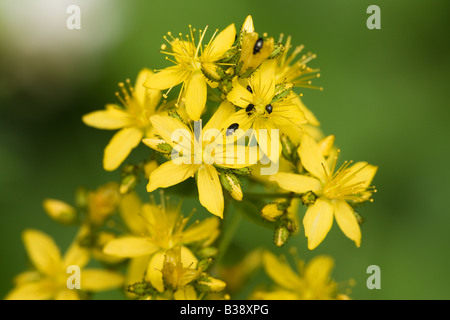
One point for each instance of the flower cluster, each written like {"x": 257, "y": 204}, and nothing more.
{"x": 225, "y": 115}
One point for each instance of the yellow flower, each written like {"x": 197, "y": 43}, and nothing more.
{"x": 263, "y": 105}
{"x": 132, "y": 119}
{"x": 254, "y": 49}
{"x": 296, "y": 73}
{"x": 200, "y": 160}
{"x": 50, "y": 280}
{"x": 192, "y": 63}
{"x": 310, "y": 282}
{"x": 333, "y": 188}
{"x": 155, "y": 229}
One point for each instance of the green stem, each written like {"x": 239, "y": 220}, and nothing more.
{"x": 269, "y": 195}
{"x": 230, "y": 226}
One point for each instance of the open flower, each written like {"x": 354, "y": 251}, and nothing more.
{"x": 139, "y": 103}
{"x": 155, "y": 229}
{"x": 195, "y": 155}
{"x": 310, "y": 282}
{"x": 297, "y": 73}
{"x": 265, "y": 104}
{"x": 334, "y": 188}
{"x": 51, "y": 277}
{"x": 192, "y": 63}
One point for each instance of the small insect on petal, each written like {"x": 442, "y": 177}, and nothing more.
{"x": 258, "y": 45}
{"x": 232, "y": 128}
{"x": 269, "y": 108}
{"x": 249, "y": 89}
{"x": 250, "y": 108}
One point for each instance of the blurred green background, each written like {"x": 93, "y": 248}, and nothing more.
{"x": 385, "y": 99}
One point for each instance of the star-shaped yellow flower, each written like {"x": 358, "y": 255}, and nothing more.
{"x": 139, "y": 103}
{"x": 201, "y": 158}
{"x": 153, "y": 230}
{"x": 49, "y": 281}
{"x": 265, "y": 105}
{"x": 334, "y": 188}
{"x": 311, "y": 281}
{"x": 192, "y": 62}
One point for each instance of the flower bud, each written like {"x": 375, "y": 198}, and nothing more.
{"x": 271, "y": 212}
{"x": 60, "y": 211}
{"x": 281, "y": 236}
{"x": 210, "y": 284}
{"x": 232, "y": 184}
{"x": 309, "y": 198}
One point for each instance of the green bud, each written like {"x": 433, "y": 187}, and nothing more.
{"x": 281, "y": 236}
{"x": 232, "y": 184}
{"x": 210, "y": 284}
{"x": 309, "y": 198}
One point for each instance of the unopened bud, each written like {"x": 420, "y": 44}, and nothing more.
{"x": 128, "y": 183}
{"x": 210, "y": 284}
{"x": 281, "y": 236}
{"x": 309, "y": 198}
{"x": 60, "y": 211}
{"x": 232, "y": 184}
{"x": 288, "y": 149}
{"x": 271, "y": 211}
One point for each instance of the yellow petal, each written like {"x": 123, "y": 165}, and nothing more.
{"x": 166, "y": 78}
{"x": 76, "y": 255}
{"x": 268, "y": 140}
{"x": 223, "y": 112}
{"x": 120, "y": 147}
{"x": 195, "y": 95}
{"x": 39, "y": 290}
{"x": 206, "y": 231}
{"x": 42, "y": 251}
{"x": 248, "y": 25}
{"x": 347, "y": 220}
{"x": 136, "y": 269}
{"x": 239, "y": 95}
{"x": 318, "y": 271}
{"x": 263, "y": 81}
{"x": 296, "y": 183}
{"x": 154, "y": 274}
{"x": 100, "y": 280}
{"x": 280, "y": 271}
{"x": 110, "y": 119}
{"x": 169, "y": 174}
{"x": 285, "y": 113}
{"x": 186, "y": 293}
{"x": 277, "y": 294}
{"x": 147, "y": 98}
{"x": 210, "y": 190}
{"x": 130, "y": 247}
{"x": 311, "y": 157}
{"x": 165, "y": 126}
{"x": 67, "y": 294}
{"x": 220, "y": 45}
{"x": 130, "y": 208}
{"x": 310, "y": 117}
{"x": 317, "y": 222}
